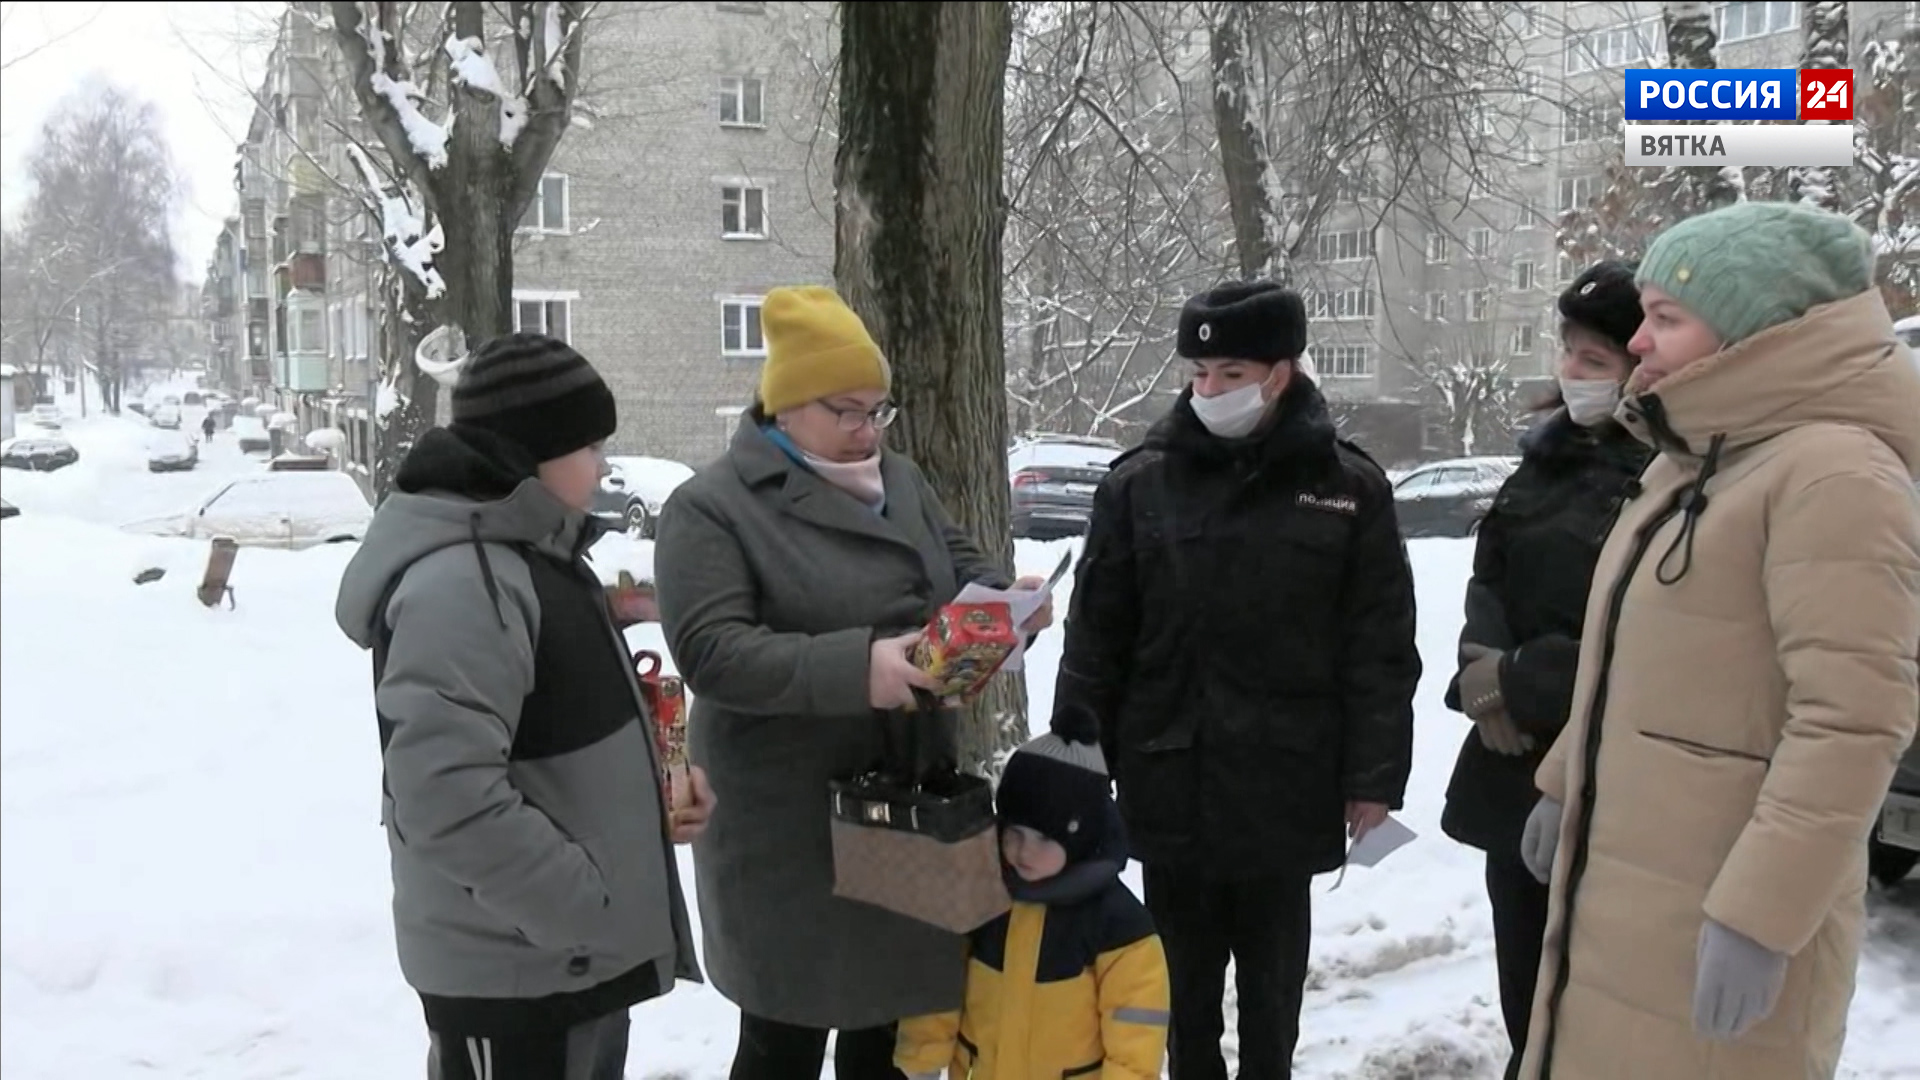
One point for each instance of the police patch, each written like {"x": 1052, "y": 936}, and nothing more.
{"x": 1333, "y": 504}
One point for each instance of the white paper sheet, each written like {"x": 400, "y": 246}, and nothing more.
{"x": 1381, "y": 841}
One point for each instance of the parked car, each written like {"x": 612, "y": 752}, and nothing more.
{"x": 1054, "y": 477}
{"x": 46, "y": 416}
{"x": 1908, "y": 330}
{"x": 1448, "y": 498}
{"x": 8, "y": 510}
{"x": 165, "y": 416}
{"x": 250, "y": 433}
{"x": 40, "y": 453}
{"x": 283, "y": 509}
{"x": 634, "y": 490}
{"x": 173, "y": 451}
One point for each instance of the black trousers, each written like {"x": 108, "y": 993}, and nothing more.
{"x": 1265, "y": 926}
{"x": 594, "y": 1050}
{"x": 1519, "y": 926}
{"x": 771, "y": 1050}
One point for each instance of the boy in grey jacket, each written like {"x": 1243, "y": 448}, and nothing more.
{"x": 536, "y": 892}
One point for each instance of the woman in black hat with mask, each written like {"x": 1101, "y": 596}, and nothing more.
{"x": 1526, "y": 602}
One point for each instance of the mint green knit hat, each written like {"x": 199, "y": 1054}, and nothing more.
{"x": 1753, "y": 265}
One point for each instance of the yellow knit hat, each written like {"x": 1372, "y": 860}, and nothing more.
{"x": 816, "y": 348}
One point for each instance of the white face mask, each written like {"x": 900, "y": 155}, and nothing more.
{"x": 1590, "y": 401}
{"x": 1234, "y": 414}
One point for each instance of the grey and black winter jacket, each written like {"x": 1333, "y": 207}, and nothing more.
{"x": 534, "y": 882}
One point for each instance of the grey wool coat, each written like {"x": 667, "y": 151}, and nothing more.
{"x": 772, "y": 586}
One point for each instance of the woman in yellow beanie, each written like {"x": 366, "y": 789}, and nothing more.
{"x": 1747, "y": 674}
{"x": 794, "y": 575}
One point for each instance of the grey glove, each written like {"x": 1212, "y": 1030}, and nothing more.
{"x": 1737, "y": 983}
{"x": 1481, "y": 700}
{"x": 1541, "y": 838}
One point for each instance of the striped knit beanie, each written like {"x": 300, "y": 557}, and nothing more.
{"x": 536, "y": 392}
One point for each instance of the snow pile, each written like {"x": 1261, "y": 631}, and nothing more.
{"x": 195, "y": 882}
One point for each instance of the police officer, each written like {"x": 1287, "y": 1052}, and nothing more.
{"x": 1242, "y": 629}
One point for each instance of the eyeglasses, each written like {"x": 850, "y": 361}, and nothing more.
{"x": 880, "y": 416}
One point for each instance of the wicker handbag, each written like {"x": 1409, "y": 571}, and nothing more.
{"x": 916, "y": 836}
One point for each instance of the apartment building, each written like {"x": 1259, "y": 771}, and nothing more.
{"x": 1438, "y": 294}
{"x": 690, "y": 184}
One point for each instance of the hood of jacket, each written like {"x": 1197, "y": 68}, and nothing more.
{"x": 1839, "y": 363}
{"x": 459, "y": 485}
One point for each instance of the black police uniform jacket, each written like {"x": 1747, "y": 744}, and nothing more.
{"x": 1532, "y": 565}
{"x": 1242, "y": 626}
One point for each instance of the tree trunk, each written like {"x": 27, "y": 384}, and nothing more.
{"x": 1691, "y": 39}
{"x": 1828, "y": 34}
{"x": 1243, "y": 157}
{"x": 920, "y": 220}
{"x": 405, "y": 321}
{"x": 476, "y": 190}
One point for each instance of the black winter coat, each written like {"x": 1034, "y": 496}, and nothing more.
{"x": 1532, "y": 567}
{"x": 1242, "y": 628}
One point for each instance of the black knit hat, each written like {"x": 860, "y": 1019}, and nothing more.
{"x": 536, "y": 392}
{"x": 1605, "y": 301}
{"x": 1057, "y": 786}
{"x": 1244, "y": 320}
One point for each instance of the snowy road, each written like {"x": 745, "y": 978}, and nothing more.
{"x": 193, "y": 881}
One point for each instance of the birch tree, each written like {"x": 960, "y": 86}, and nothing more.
{"x": 95, "y": 233}
{"x": 1316, "y": 102}
{"x": 1828, "y": 34}
{"x": 1112, "y": 214}
{"x": 919, "y": 221}
{"x": 452, "y": 189}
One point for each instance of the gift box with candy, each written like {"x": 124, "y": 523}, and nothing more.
{"x": 965, "y": 645}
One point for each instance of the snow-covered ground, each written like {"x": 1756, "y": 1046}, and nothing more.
{"x": 193, "y": 880}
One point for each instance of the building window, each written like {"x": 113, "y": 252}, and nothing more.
{"x": 740, "y": 328}
{"x": 1436, "y": 306}
{"x": 1346, "y": 245}
{"x": 544, "y": 313}
{"x": 1480, "y": 243}
{"x": 1746, "y": 21}
{"x": 549, "y": 210}
{"x": 1577, "y": 192}
{"x": 1523, "y": 340}
{"x": 337, "y": 340}
{"x": 742, "y": 101}
{"x": 1341, "y": 304}
{"x": 743, "y": 213}
{"x": 306, "y": 329}
{"x": 1436, "y": 247}
{"x": 1343, "y": 361}
{"x": 1613, "y": 46}
{"x": 1525, "y": 276}
{"x": 1589, "y": 122}
{"x": 1564, "y": 268}
{"x": 1479, "y": 305}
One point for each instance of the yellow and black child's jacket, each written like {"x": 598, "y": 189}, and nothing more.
{"x": 1070, "y": 984}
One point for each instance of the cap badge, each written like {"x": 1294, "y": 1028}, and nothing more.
{"x": 1683, "y": 273}
{"x": 1073, "y": 826}
{"x": 1206, "y": 331}
{"x": 1587, "y": 289}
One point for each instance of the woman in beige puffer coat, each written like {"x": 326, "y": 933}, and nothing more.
{"x": 1747, "y": 679}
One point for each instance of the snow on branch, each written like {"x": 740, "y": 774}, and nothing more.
{"x": 412, "y": 243}
{"x": 378, "y": 59}
{"x": 472, "y": 69}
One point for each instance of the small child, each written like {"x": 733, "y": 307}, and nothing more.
{"x": 1072, "y": 982}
